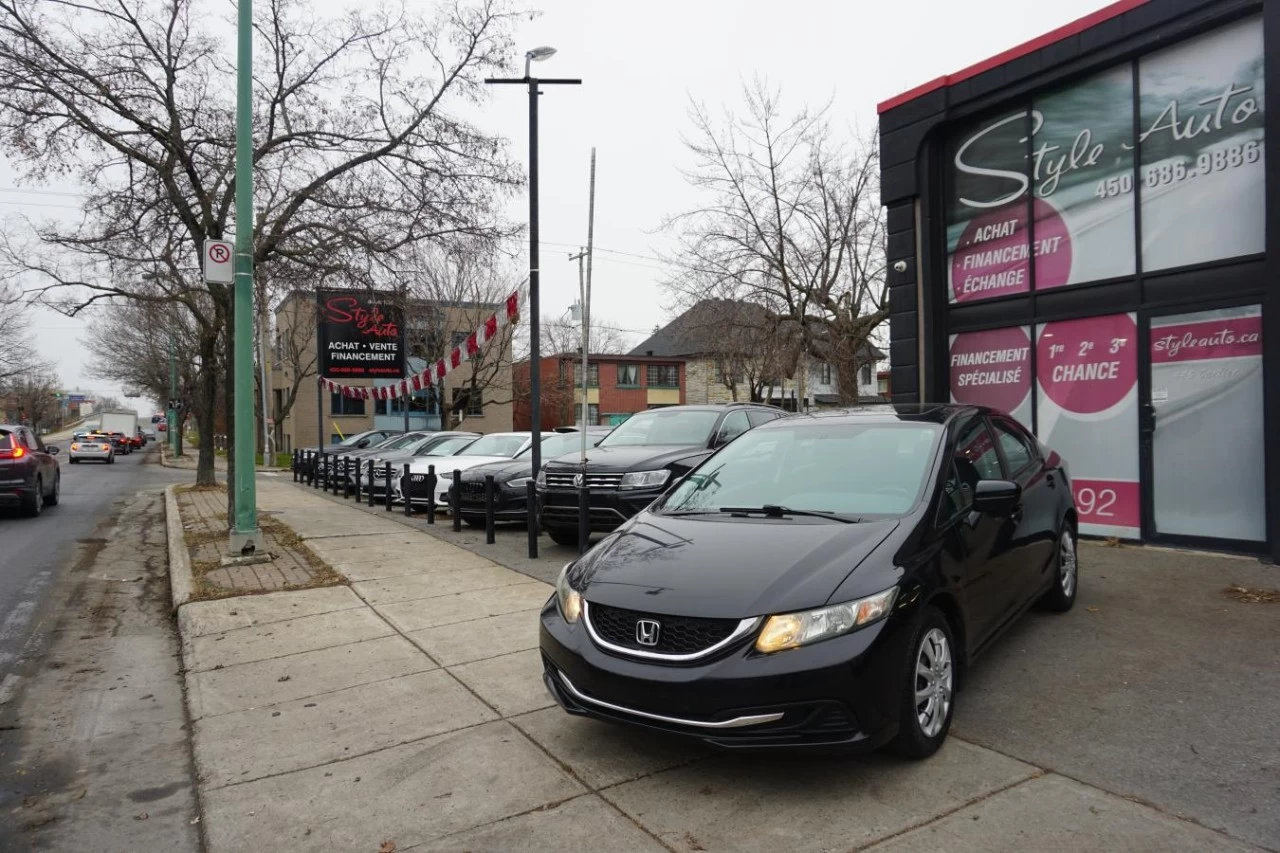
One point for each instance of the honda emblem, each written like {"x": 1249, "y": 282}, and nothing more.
{"x": 647, "y": 632}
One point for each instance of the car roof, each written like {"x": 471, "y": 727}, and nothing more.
{"x": 935, "y": 413}
{"x": 710, "y": 407}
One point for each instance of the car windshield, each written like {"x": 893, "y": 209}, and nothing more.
{"x": 656, "y": 426}
{"x": 853, "y": 469}
{"x": 495, "y": 445}
{"x": 449, "y": 446}
{"x": 352, "y": 439}
{"x": 560, "y": 444}
{"x": 400, "y": 441}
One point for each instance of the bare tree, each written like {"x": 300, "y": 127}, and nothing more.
{"x": 131, "y": 344}
{"x": 448, "y": 291}
{"x": 792, "y": 222}
{"x": 17, "y": 350}
{"x": 32, "y": 394}
{"x": 561, "y": 335}
{"x": 359, "y": 147}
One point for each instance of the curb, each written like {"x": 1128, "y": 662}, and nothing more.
{"x": 181, "y": 581}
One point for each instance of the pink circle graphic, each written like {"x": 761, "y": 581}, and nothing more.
{"x": 993, "y": 256}
{"x": 991, "y": 368}
{"x": 1088, "y": 366}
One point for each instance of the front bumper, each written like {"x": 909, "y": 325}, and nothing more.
{"x": 508, "y": 504}
{"x": 838, "y": 694}
{"x": 607, "y": 508}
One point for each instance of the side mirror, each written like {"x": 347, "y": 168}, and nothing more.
{"x": 996, "y": 497}
{"x": 53, "y": 451}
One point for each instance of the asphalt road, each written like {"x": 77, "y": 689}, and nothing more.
{"x": 34, "y": 551}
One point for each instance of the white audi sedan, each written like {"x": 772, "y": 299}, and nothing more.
{"x": 495, "y": 447}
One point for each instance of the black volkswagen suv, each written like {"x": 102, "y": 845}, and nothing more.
{"x": 637, "y": 461}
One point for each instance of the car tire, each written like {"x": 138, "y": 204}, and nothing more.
{"x": 111, "y": 460}
{"x": 1066, "y": 574}
{"x": 56, "y": 494}
{"x": 33, "y": 504}
{"x": 920, "y": 728}
{"x": 74, "y": 461}
{"x": 563, "y": 536}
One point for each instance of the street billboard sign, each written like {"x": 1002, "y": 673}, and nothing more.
{"x": 359, "y": 335}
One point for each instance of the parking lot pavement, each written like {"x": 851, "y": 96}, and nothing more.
{"x": 409, "y": 707}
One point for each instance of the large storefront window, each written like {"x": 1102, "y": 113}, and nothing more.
{"x": 1202, "y": 153}
{"x": 1065, "y": 161}
{"x": 1087, "y": 410}
{"x": 993, "y": 368}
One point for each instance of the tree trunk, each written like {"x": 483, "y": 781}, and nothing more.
{"x": 207, "y": 388}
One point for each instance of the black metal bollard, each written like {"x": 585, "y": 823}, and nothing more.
{"x": 408, "y": 505}
{"x": 488, "y": 510}
{"x": 324, "y": 472}
{"x": 584, "y": 515}
{"x": 431, "y": 490}
{"x": 455, "y": 500}
{"x": 371, "y": 485}
{"x": 346, "y": 477}
{"x": 313, "y": 469}
{"x": 531, "y": 517}
{"x": 389, "y": 504}
{"x": 359, "y": 469}
{"x": 294, "y": 465}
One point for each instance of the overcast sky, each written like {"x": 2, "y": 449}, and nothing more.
{"x": 640, "y": 64}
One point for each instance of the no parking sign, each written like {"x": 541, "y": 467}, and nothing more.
{"x": 218, "y": 266}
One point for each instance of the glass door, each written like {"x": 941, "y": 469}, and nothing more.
{"x": 1206, "y": 420}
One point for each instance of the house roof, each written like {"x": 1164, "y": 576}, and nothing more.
{"x": 701, "y": 330}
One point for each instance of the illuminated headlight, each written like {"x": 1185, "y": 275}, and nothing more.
{"x": 519, "y": 482}
{"x": 789, "y": 630}
{"x": 644, "y": 479}
{"x": 569, "y": 599}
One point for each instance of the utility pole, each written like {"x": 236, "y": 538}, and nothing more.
{"x": 264, "y": 373}
{"x": 586, "y": 306}
{"x": 245, "y": 536}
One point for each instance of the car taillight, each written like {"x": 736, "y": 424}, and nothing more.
{"x": 15, "y": 453}
{"x": 75, "y": 446}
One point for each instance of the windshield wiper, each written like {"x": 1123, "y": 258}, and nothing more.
{"x": 776, "y": 511}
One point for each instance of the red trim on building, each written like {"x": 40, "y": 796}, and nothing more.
{"x": 1080, "y": 25}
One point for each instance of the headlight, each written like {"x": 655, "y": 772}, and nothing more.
{"x": 790, "y": 630}
{"x": 644, "y": 479}
{"x": 542, "y": 479}
{"x": 518, "y": 482}
{"x": 569, "y": 598}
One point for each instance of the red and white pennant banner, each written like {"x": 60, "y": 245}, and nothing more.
{"x": 439, "y": 370}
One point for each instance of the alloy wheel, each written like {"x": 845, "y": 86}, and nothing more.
{"x": 933, "y": 682}
{"x": 1067, "y": 564}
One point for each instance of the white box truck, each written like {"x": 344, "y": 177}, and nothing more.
{"x": 123, "y": 422}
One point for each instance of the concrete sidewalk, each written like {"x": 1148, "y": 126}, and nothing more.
{"x": 409, "y": 707}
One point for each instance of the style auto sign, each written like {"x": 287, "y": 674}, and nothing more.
{"x": 360, "y": 336}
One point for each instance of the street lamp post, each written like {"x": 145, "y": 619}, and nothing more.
{"x": 245, "y": 536}
{"x": 535, "y": 380}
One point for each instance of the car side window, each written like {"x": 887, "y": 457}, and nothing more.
{"x": 1017, "y": 453}
{"x": 974, "y": 458}
{"x": 957, "y": 495}
{"x": 734, "y": 425}
{"x": 761, "y": 417}
{"x": 30, "y": 440}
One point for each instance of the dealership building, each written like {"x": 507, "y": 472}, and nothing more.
{"x": 1080, "y": 234}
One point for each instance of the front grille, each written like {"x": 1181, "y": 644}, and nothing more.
{"x": 677, "y": 635}
{"x": 594, "y": 481}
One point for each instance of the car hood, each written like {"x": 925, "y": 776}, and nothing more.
{"x": 445, "y": 464}
{"x": 725, "y": 568}
{"x": 501, "y": 471}
{"x": 643, "y": 458}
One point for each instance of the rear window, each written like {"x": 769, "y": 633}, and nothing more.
{"x": 7, "y": 440}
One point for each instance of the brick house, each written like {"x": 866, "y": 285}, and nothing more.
{"x": 617, "y": 387}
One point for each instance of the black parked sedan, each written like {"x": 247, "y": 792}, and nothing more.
{"x": 511, "y": 477}
{"x": 822, "y": 581}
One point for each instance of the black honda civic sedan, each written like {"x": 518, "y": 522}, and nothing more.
{"x": 822, "y": 581}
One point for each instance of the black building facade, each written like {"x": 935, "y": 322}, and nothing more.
{"x": 1083, "y": 232}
